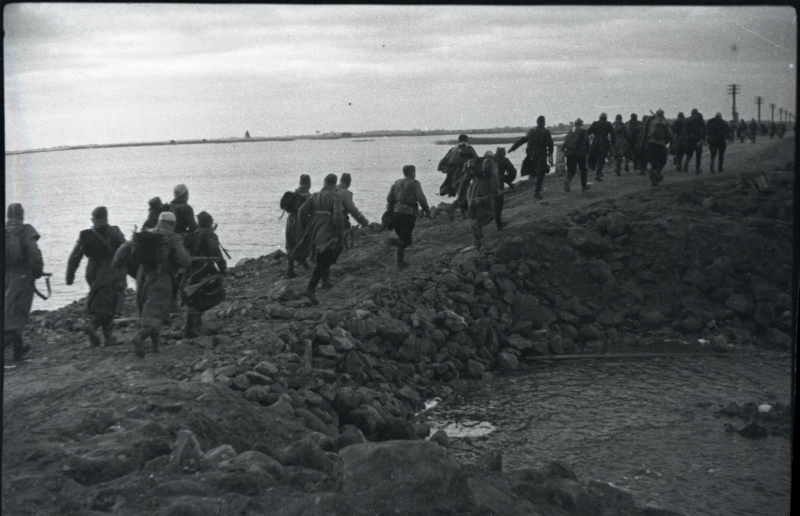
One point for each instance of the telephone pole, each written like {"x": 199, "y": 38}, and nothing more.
{"x": 759, "y": 100}
{"x": 733, "y": 89}
{"x": 780, "y": 113}
{"x": 772, "y": 107}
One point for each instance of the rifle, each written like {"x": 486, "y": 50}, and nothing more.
{"x": 46, "y": 277}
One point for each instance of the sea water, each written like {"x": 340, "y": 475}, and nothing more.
{"x": 239, "y": 184}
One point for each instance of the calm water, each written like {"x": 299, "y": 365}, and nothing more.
{"x": 646, "y": 425}
{"x": 239, "y": 184}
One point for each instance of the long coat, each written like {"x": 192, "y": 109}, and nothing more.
{"x": 184, "y": 216}
{"x": 293, "y": 231}
{"x": 105, "y": 282}
{"x": 481, "y": 186}
{"x": 322, "y": 221}
{"x": 154, "y": 283}
{"x": 20, "y": 277}
{"x": 201, "y": 290}
{"x": 452, "y": 164}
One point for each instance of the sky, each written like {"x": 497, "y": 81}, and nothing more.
{"x": 77, "y": 74}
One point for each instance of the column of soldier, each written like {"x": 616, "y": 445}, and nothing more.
{"x": 175, "y": 257}
{"x": 178, "y": 257}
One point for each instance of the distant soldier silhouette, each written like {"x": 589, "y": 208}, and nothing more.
{"x": 539, "y": 153}
{"x": 622, "y": 137}
{"x": 634, "y": 154}
{"x": 742, "y": 130}
{"x": 203, "y": 286}
{"x": 694, "y": 134}
{"x": 677, "y": 146}
{"x": 155, "y": 208}
{"x": 718, "y": 131}
{"x": 106, "y": 284}
{"x": 506, "y": 173}
{"x": 184, "y": 214}
{"x": 752, "y": 130}
{"x": 293, "y": 231}
{"x": 576, "y": 147}
{"x": 603, "y": 142}
{"x": 483, "y": 188}
{"x": 658, "y": 136}
{"x": 404, "y": 197}
{"x": 23, "y": 266}
{"x": 452, "y": 164}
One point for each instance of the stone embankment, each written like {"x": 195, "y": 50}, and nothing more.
{"x": 283, "y": 407}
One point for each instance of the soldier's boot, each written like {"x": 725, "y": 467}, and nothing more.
{"x": 290, "y": 269}
{"x": 91, "y": 332}
{"x": 537, "y": 195}
{"x": 712, "y": 167}
{"x": 311, "y": 296}
{"x": 401, "y": 263}
{"x": 108, "y": 336}
{"x": 155, "y": 337}
{"x": 190, "y": 330}
{"x": 19, "y": 348}
{"x": 138, "y": 342}
{"x": 326, "y": 280}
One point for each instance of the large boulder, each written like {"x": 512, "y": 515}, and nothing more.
{"x": 409, "y": 477}
{"x": 587, "y": 240}
{"x": 307, "y": 454}
{"x": 392, "y": 330}
{"x": 740, "y": 305}
{"x": 616, "y": 224}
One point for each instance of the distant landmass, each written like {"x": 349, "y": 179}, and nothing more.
{"x": 321, "y": 136}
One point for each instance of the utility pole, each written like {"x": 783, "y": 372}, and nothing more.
{"x": 780, "y": 113}
{"x": 759, "y": 100}
{"x": 772, "y": 107}
{"x": 733, "y": 89}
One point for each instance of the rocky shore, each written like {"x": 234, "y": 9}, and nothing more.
{"x": 287, "y": 408}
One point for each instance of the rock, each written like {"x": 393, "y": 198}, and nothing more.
{"x": 282, "y": 407}
{"x": 409, "y": 394}
{"x": 350, "y": 436}
{"x": 652, "y": 319}
{"x": 410, "y": 350}
{"x": 257, "y": 379}
{"x": 587, "y": 240}
{"x": 461, "y": 297}
{"x": 422, "y": 430}
{"x": 398, "y": 428}
{"x": 711, "y": 204}
{"x": 519, "y": 342}
{"x": 252, "y": 462}
{"x": 258, "y": 393}
{"x": 695, "y": 277}
{"x": 740, "y": 305}
{"x": 326, "y": 351}
{"x": 353, "y": 365}
{"x": 610, "y": 318}
{"x": 307, "y": 454}
{"x": 241, "y": 382}
{"x": 754, "y": 431}
{"x": 366, "y": 418}
{"x": 475, "y": 369}
{"x": 333, "y": 317}
{"x": 690, "y": 325}
{"x": 266, "y": 369}
{"x": 322, "y": 335}
{"x": 216, "y": 455}
{"x": 540, "y": 348}
{"x": 342, "y": 344}
{"x": 491, "y": 461}
{"x": 324, "y": 442}
{"x": 449, "y": 280}
{"x": 616, "y": 224}
{"x": 187, "y": 452}
{"x": 346, "y": 400}
{"x": 591, "y": 332}
{"x": 524, "y": 306}
{"x": 280, "y": 312}
{"x": 441, "y": 438}
{"x": 599, "y": 271}
{"x": 311, "y": 421}
{"x": 778, "y": 338}
{"x": 763, "y": 315}
{"x": 362, "y": 328}
{"x": 286, "y": 293}
{"x": 507, "y": 362}
{"x": 393, "y": 330}
{"x": 419, "y": 473}
{"x": 556, "y": 345}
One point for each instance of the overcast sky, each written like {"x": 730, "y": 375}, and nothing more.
{"x": 96, "y": 73}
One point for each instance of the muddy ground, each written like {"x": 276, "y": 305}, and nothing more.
{"x": 282, "y": 407}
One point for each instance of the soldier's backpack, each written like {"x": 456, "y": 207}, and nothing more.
{"x": 148, "y": 249}
{"x": 291, "y": 202}
{"x": 571, "y": 142}
{"x": 658, "y": 130}
{"x": 15, "y": 252}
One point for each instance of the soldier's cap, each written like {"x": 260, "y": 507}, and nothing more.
{"x": 100, "y": 213}
{"x": 204, "y": 219}
{"x": 180, "y": 190}
{"x": 660, "y": 112}
{"x": 680, "y": 114}
{"x": 618, "y": 117}
{"x": 633, "y": 116}
{"x": 330, "y": 180}
{"x": 166, "y": 220}
{"x": 155, "y": 202}
{"x": 15, "y": 211}
{"x": 578, "y": 122}
{"x": 463, "y": 138}
{"x": 718, "y": 115}
{"x": 488, "y": 154}
{"x": 694, "y": 111}
{"x": 603, "y": 116}
{"x": 500, "y": 151}
{"x": 305, "y": 179}
{"x": 345, "y": 178}
{"x": 409, "y": 169}
{"x": 540, "y": 120}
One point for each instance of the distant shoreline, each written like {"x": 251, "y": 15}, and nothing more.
{"x": 326, "y": 136}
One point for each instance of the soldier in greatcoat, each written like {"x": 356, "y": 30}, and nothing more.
{"x": 695, "y": 133}
{"x": 203, "y": 287}
{"x": 293, "y": 231}
{"x": 106, "y": 284}
{"x": 404, "y": 197}
{"x": 482, "y": 191}
{"x": 322, "y": 221}
{"x": 506, "y": 173}
{"x": 154, "y": 279}
{"x": 538, "y": 154}
{"x": 603, "y": 141}
{"x": 23, "y": 266}
{"x": 452, "y": 164}
{"x": 622, "y": 137}
{"x": 717, "y": 135}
